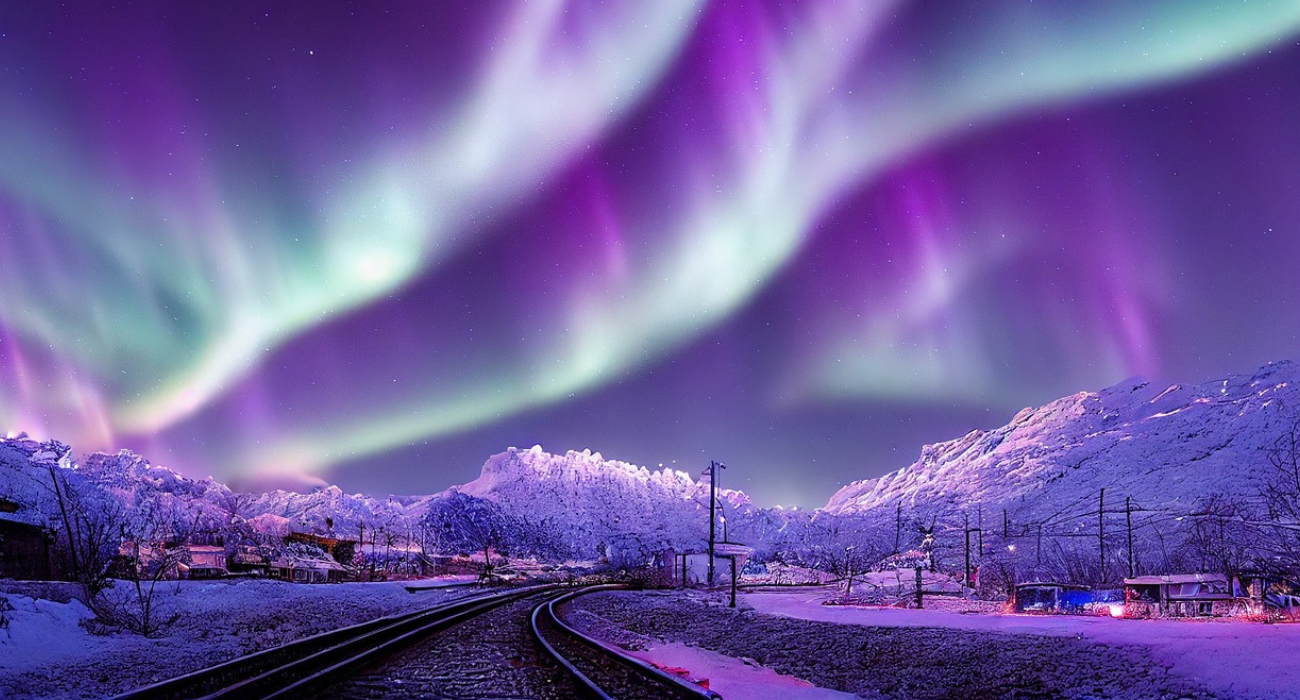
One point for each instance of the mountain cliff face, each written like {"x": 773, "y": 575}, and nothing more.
{"x": 1163, "y": 447}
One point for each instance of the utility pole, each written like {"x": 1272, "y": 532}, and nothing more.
{"x": 1128, "y": 518}
{"x": 1006, "y": 525}
{"x": 1101, "y": 536}
{"x": 979, "y": 525}
{"x": 713, "y": 504}
{"x": 969, "y": 529}
{"x": 67, "y": 525}
{"x": 966, "y": 528}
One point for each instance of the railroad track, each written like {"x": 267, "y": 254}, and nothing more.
{"x": 301, "y": 668}
{"x": 509, "y": 644}
{"x": 601, "y": 670}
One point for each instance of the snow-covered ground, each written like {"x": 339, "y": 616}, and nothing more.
{"x": 919, "y": 661}
{"x": 46, "y": 653}
{"x": 1235, "y": 659}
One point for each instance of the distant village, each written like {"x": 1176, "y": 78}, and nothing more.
{"x": 28, "y": 551}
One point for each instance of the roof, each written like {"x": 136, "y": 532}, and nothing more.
{"x": 1174, "y": 578}
{"x": 21, "y": 519}
{"x": 1052, "y": 584}
{"x": 292, "y": 563}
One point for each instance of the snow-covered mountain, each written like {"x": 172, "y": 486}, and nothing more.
{"x": 1165, "y": 448}
{"x": 191, "y": 504}
{"x": 1161, "y": 449}
{"x": 602, "y": 503}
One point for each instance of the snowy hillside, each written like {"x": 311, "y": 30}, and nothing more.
{"x": 1165, "y": 447}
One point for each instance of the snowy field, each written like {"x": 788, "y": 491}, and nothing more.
{"x": 1230, "y": 658}
{"x": 920, "y": 654}
{"x": 46, "y": 653}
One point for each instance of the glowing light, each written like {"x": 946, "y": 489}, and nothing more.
{"x": 680, "y": 154}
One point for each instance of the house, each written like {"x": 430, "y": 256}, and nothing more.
{"x": 247, "y": 559}
{"x": 24, "y": 544}
{"x": 1186, "y": 595}
{"x": 204, "y": 562}
{"x": 300, "y": 569}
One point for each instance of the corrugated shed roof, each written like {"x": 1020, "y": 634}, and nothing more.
{"x": 1174, "y": 578}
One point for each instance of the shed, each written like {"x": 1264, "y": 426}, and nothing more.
{"x": 697, "y": 563}
{"x": 24, "y": 545}
{"x": 1184, "y": 595}
{"x": 1051, "y": 597}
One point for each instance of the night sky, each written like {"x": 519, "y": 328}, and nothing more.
{"x": 374, "y": 243}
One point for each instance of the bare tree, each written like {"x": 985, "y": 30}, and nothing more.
{"x": 1220, "y": 536}
{"x": 1281, "y": 497}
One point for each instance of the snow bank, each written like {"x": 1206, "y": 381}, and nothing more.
{"x": 38, "y": 631}
{"x": 737, "y": 679}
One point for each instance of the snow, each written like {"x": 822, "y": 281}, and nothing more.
{"x": 38, "y": 630}
{"x": 45, "y": 653}
{"x": 1234, "y": 658}
{"x": 736, "y": 679}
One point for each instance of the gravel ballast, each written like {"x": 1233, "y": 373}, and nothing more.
{"x": 885, "y": 662}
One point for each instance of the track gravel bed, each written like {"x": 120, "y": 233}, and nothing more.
{"x": 884, "y": 662}
{"x": 493, "y": 655}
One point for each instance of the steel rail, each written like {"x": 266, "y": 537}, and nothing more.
{"x": 544, "y": 615}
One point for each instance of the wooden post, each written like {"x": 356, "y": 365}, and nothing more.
{"x": 919, "y": 589}
{"x": 733, "y": 582}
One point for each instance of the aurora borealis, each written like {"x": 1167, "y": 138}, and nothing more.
{"x": 374, "y": 243}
